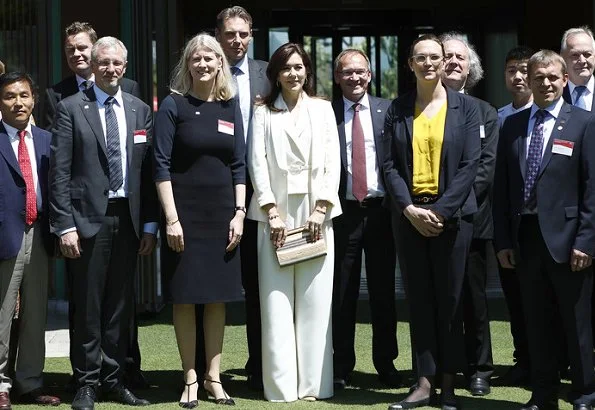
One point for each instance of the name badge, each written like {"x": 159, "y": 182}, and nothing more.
{"x": 225, "y": 127}
{"x": 482, "y": 132}
{"x": 563, "y": 147}
{"x": 140, "y": 136}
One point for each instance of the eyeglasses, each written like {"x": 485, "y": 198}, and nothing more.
{"x": 349, "y": 73}
{"x": 422, "y": 58}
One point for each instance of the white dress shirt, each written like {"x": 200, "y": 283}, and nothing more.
{"x": 587, "y": 96}
{"x": 548, "y": 124}
{"x": 375, "y": 188}
{"x": 508, "y": 110}
{"x": 13, "y": 137}
{"x": 118, "y": 107}
{"x": 243, "y": 81}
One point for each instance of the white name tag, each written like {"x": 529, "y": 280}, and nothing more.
{"x": 225, "y": 127}
{"x": 140, "y": 136}
{"x": 482, "y": 132}
{"x": 563, "y": 147}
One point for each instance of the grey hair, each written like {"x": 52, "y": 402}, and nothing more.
{"x": 108, "y": 42}
{"x": 544, "y": 58}
{"x": 575, "y": 30}
{"x": 181, "y": 82}
{"x": 350, "y": 51}
{"x": 475, "y": 69}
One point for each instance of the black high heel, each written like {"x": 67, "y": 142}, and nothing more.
{"x": 226, "y": 400}
{"x": 189, "y": 404}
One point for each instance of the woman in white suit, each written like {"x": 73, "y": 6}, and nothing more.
{"x": 294, "y": 163}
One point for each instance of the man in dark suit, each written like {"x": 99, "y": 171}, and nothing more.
{"x": 79, "y": 40}
{"x": 234, "y": 33}
{"x": 25, "y": 240}
{"x": 544, "y": 226}
{"x": 364, "y": 225}
{"x": 100, "y": 175}
{"x": 462, "y": 72}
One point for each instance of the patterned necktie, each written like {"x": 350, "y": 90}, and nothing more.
{"x": 579, "y": 100}
{"x": 358, "y": 157}
{"x": 534, "y": 158}
{"x": 25, "y": 165}
{"x": 112, "y": 134}
{"x": 235, "y": 71}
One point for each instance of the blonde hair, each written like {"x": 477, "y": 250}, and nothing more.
{"x": 181, "y": 82}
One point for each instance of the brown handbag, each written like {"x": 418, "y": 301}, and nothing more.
{"x": 300, "y": 247}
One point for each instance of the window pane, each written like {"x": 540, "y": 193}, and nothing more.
{"x": 323, "y": 64}
{"x": 389, "y": 66}
{"x": 277, "y": 37}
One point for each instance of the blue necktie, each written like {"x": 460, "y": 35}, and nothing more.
{"x": 534, "y": 159}
{"x": 112, "y": 135}
{"x": 235, "y": 71}
{"x": 579, "y": 101}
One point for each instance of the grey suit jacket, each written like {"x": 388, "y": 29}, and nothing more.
{"x": 68, "y": 87}
{"x": 79, "y": 175}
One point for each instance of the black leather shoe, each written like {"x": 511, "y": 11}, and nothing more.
{"x": 255, "y": 382}
{"x": 479, "y": 386}
{"x": 409, "y": 404}
{"x": 135, "y": 379}
{"x": 532, "y": 405}
{"x": 121, "y": 394}
{"x": 85, "y": 398}
{"x": 339, "y": 383}
{"x": 582, "y": 406}
{"x": 391, "y": 378}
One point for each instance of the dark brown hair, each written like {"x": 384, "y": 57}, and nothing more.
{"x": 277, "y": 62}
{"x": 425, "y": 37}
{"x": 81, "y": 27}
{"x": 231, "y": 12}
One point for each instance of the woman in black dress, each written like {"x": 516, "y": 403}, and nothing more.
{"x": 200, "y": 177}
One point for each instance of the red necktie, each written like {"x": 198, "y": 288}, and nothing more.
{"x": 358, "y": 157}
{"x": 25, "y": 165}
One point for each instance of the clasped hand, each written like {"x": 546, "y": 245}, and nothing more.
{"x": 314, "y": 224}
{"x": 426, "y": 222}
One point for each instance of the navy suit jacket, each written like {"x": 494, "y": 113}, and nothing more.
{"x": 565, "y": 186}
{"x": 378, "y": 108}
{"x": 68, "y": 87}
{"x": 12, "y": 192}
{"x": 459, "y": 159}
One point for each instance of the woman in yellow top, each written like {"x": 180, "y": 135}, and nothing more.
{"x": 431, "y": 153}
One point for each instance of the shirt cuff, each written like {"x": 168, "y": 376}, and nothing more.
{"x": 65, "y": 231}
{"x": 150, "y": 227}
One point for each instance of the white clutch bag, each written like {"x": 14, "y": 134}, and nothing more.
{"x": 299, "y": 247}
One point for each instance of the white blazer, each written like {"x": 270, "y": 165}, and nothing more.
{"x": 267, "y": 158}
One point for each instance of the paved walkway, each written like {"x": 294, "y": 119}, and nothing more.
{"x": 56, "y": 335}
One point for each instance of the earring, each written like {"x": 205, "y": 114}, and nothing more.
{"x": 277, "y": 83}
{"x": 306, "y": 81}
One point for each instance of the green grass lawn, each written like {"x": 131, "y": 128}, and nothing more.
{"x": 162, "y": 367}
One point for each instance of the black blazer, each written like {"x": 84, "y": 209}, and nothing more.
{"x": 68, "y": 87}
{"x": 12, "y": 193}
{"x": 484, "y": 181}
{"x": 259, "y": 83}
{"x": 79, "y": 175}
{"x": 565, "y": 187}
{"x": 459, "y": 160}
{"x": 378, "y": 108}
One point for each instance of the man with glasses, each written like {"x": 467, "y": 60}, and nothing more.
{"x": 104, "y": 209}
{"x": 364, "y": 225}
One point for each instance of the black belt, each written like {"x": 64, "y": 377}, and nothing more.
{"x": 116, "y": 205}
{"x": 424, "y": 199}
{"x": 372, "y": 202}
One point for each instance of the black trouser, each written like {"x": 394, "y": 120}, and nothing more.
{"x": 102, "y": 292}
{"x": 478, "y": 342}
{"x": 543, "y": 282}
{"x": 368, "y": 229}
{"x": 433, "y": 270}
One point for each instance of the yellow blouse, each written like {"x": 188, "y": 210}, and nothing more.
{"x": 428, "y": 134}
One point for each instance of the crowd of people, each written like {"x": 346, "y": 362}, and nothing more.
{"x": 241, "y": 153}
